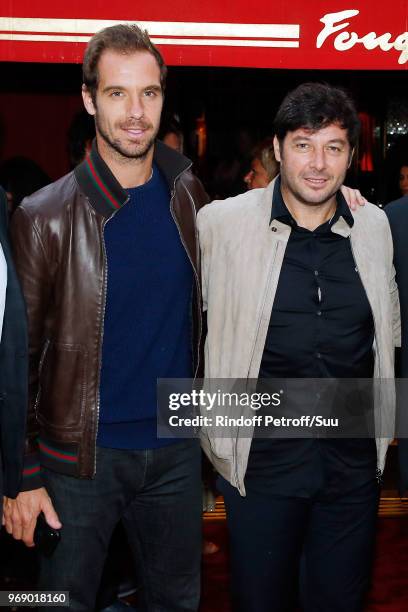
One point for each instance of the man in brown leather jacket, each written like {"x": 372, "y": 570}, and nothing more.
{"x": 108, "y": 261}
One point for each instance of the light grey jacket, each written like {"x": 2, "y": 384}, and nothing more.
{"x": 242, "y": 253}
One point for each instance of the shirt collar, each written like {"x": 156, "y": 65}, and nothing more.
{"x": 281, "y": 213}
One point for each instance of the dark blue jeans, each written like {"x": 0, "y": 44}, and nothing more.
{"x": 326, "y": 539}
{"x": 157, "y": 495}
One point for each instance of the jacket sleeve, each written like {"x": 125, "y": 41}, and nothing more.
{"x": 202, "y": 198}
{"x": 33, "y": 270}
{"x": 396, "y": 313}
{"x": 396, "y": 316}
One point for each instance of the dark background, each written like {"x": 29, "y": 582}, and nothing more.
{"x": 236, "y": 106}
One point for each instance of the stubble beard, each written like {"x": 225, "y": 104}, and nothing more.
{"x": 305, "y": 199}
{"x": 138, "y": 152}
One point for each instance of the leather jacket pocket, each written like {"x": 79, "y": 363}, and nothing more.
{"x": 62, "y": 395}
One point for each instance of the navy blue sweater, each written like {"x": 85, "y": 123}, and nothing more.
{"x": 147, "y": 328}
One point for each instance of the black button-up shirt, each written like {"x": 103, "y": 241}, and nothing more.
{"x": 321, "y": 326}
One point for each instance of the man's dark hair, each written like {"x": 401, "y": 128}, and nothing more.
{"x": 81, "y": 132}
{"x": 122, "y": 38}
{"x": 315, "y": 106}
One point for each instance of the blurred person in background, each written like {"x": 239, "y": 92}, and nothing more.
{"x": 403, "y": 179}
{"x": 233, "y": 158}
{"x": 264, "y": 166}
{"x": 397, "y": 213}
{"x": 171, "y": 133}
{"x": 80, "y": 136}
{"x": 20, "y": 177}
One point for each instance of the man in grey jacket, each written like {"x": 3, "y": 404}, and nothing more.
{"x": 296, "y": 286}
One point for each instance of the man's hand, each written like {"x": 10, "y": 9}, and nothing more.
{"x": 20, "y": 514}
{"x": 353, "y": 197}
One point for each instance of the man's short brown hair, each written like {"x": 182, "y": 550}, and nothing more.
{"x": 123, "y": 38}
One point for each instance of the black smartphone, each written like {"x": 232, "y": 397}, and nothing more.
{"x": 45, "y": 537}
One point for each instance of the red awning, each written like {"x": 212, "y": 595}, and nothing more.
{"x": 319, "y": 34}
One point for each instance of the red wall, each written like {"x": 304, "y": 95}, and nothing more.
{"x": 35, "y": 125}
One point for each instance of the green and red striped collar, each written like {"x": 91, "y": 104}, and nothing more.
{"x": 99, "y": 184}
{"x": 103, "y": 190}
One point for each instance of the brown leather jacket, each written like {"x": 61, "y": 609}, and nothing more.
{"x": 57, "y": 236}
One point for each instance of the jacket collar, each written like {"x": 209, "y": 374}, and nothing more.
{"x": 105, "y": 193}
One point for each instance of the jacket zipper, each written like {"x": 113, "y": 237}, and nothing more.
{"x": 195, "y": 275}
{"x": 173, "y": 193}
{"x": 252, "y": 356}
{"x": 372, "y": 309}
{"x": 105, "y": 290}
{"x": 262, "y": 309}
{"x": 378, "y": 473}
